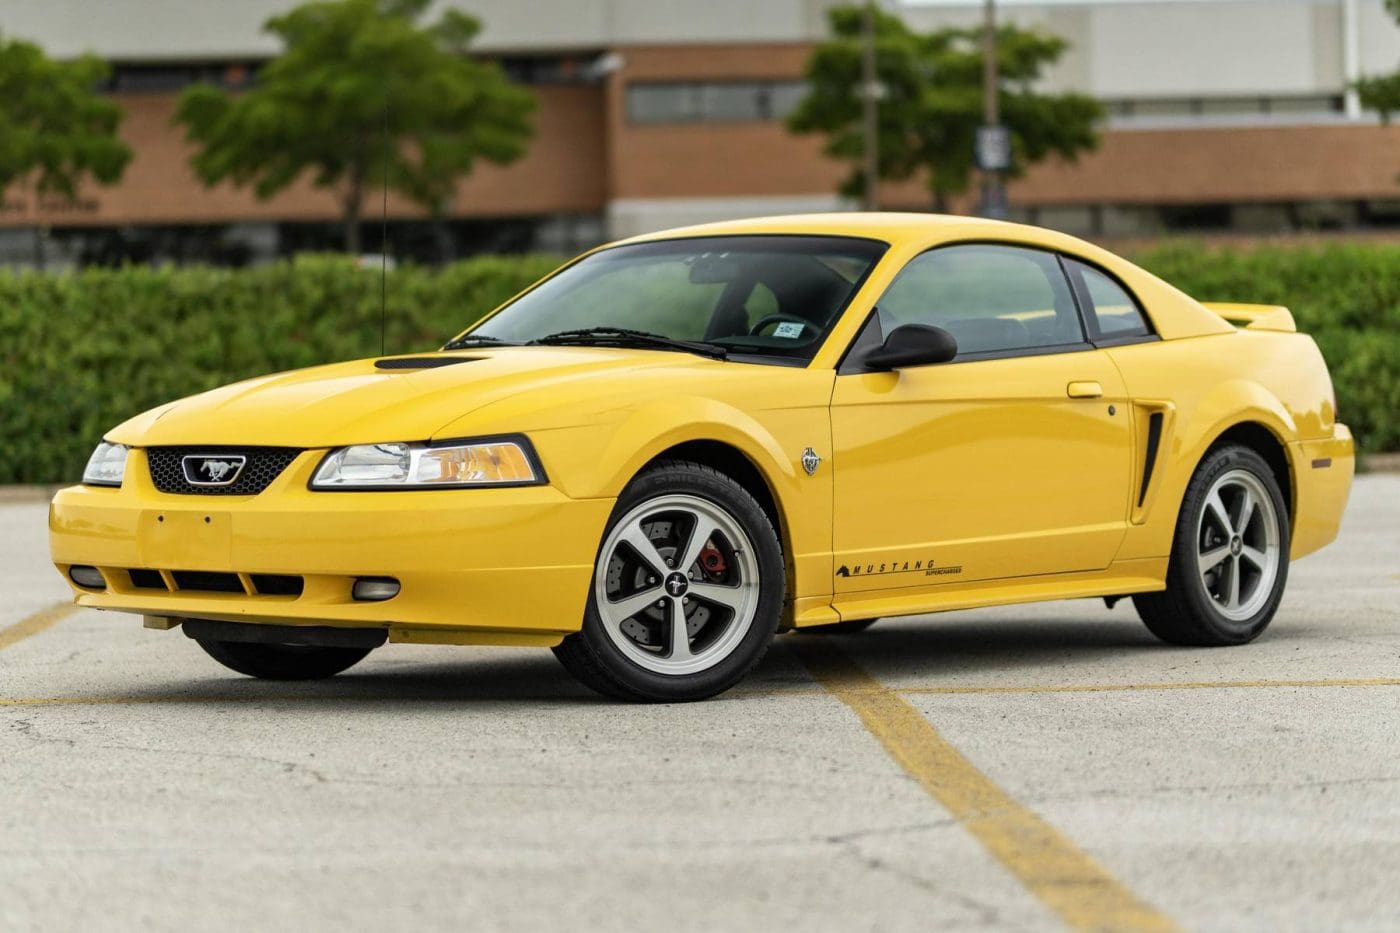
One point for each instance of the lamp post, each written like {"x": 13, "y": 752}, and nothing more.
{"x": 993, "y": 147}
{"x": 869, "y": 102}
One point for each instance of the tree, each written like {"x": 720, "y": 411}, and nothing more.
{"x": 55, "y": 129}
{"x": 931, "y": 101}
{"x": 1382, "y": 93}
{"x": 361, "y": 94}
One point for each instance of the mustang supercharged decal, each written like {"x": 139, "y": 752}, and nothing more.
{"x": 925, "y": 567}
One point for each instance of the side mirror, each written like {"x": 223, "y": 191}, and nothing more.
{"x": 913, "y": 345}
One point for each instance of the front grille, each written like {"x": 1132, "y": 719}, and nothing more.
{"x": 276, "y": 584}
{"x": 264, "y": 465}
{"x": 208, "y": 581}
{"x": 147, "y": 579}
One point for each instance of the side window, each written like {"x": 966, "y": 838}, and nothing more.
{"x": 991, "y": 298}
{"x": 1114, "y": 309}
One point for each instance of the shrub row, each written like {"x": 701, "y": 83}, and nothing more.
{"x": 83, "y": 352}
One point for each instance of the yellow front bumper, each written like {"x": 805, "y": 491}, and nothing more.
{"x": 476, "y": 565}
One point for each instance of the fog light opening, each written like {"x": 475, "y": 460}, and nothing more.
{"x": 89, "y": 578}
{"x": 374, "y": 589}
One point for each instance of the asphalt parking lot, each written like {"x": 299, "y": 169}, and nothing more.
{"x": 1018, "y": 768}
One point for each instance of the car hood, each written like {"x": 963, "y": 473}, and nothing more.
{"x": 359, "y": 402}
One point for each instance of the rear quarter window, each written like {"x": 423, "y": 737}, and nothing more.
{"x": 1112, "y": 308}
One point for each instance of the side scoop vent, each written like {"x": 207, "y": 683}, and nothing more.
{"x": 422, "y": 362}
{"x": 1154, "y": 440}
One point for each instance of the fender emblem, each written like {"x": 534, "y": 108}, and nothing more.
{"x": 810, "y": 461}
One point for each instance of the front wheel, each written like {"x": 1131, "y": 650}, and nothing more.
{"x": 687, "y": 589}
{"x": 1229, "y": 559}
{"x": 282, "y": 662}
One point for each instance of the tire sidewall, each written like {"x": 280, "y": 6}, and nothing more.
{"x": 1184, "y": 553}
{"x": 725, "y": 493}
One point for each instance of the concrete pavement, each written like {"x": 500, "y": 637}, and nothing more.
{"x": 142, "y": 785}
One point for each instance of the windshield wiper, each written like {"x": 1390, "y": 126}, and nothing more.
{"x": 623, "y": 336}
{"x": 477, "y": 340}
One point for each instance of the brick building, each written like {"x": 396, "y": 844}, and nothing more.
{"x": 1226, "y": 116}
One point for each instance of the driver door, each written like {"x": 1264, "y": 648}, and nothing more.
{"x": 1013, "y": 459}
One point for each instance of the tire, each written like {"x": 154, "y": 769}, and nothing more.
{"x": 730, "y": 595}
{"x": 282, "y": 662}
{"x": 849, "y": 627}
{"x": 1224, "y": 582}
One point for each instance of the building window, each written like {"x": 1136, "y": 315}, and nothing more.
{"x": 1222, "y": 109}
{"x": 711, "y": 101}
{"x": 168, "y": 78}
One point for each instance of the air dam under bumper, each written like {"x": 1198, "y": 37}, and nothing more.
{"x": 509, "y": 566}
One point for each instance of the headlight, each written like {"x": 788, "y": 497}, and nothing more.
{"x": 479, "y": 462}
{"x": 106, "y": 466}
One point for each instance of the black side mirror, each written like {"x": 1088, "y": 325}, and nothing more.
{"x": 913, "y": 345}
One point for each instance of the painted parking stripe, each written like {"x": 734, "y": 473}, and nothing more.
{"x": 1187, "y": 685}
{"x": 34, "y": 624}
{"x": 1064, "y": 877}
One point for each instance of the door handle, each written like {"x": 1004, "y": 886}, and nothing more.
{"x": 1086, "y": 389}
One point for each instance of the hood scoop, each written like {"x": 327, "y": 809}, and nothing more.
{"x": 422, "y": 362}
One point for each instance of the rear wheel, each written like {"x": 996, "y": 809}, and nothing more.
{"x": 282, "y": 662}
{"x": 1229, "y": 559}
{"x": 687, "y": 589}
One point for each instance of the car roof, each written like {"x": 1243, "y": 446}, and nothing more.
{"x": 890, "y": 226}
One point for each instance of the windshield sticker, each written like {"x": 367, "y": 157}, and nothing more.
{"x": 788, "y": 330}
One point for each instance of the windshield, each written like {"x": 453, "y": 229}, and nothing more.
{"x": 768, "y": 296}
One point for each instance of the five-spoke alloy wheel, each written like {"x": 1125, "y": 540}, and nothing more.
{"x": 1229, "y": 559}
{"x": 1237, "y": 541}
{"x": 677, "y": 584}
{"x": 686, "y": 590}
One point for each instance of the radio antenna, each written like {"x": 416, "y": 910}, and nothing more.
{"x": 384, "y": 239}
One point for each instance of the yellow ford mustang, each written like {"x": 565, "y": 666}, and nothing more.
{"x": 676, "y": 446}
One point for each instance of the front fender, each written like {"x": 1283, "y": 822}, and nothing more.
{"x": 599, "y": 460}
{"x": 657, "y": 426}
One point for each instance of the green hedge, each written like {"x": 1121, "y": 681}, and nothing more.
{"x": 83, "y": 352}
{"x": 1346, "y": 295}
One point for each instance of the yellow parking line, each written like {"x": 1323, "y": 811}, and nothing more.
{"x": 1054, "y": 869}
{"x": 34, "y": 624}
{"x": 133, "y": 700}
{"x": 1189, "y": 685}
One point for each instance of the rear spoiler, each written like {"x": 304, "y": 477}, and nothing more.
{"x": 1255, "y": 317}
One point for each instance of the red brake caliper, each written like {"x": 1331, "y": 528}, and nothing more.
{"x": 712, "y": 561}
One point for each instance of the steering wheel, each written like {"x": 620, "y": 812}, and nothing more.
{"x": 778, "y": 318}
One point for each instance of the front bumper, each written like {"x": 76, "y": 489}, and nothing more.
{"x": 508, "y": 565}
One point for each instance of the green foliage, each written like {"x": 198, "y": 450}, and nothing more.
{"x": 361, "y": 92}
{"x": 55, "y": 130}
{"x": 932, "y": 101}
{"x": 81, "y": 353}
{"x": 1347, "y": 296}
{"x": 1382, "y": 93}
